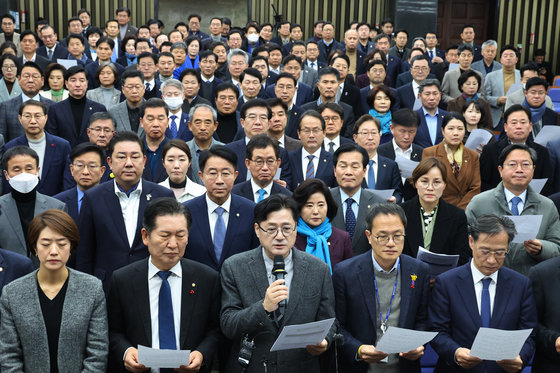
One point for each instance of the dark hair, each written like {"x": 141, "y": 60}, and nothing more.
{"x": 275, "y": 202}
{"x": 113, "y": 69}
{"x": 153, "y": 102}
{"x": 33, "y": 65}
{"x": 131, "y": 74}
{"x": 259, "y": 49}
{"x": 466, "y": 75}
{"x": 220, "y": 151}
{"x": 252, "y": 72}
{"x": 370, "y": 99}
{"x": 256, "y": 102}
{"x": 300, "y": 43}
{"x": 87, "y": 147}
{"x": 125, "y": 41}
{"x": 256, "y": 58}
{"x": 384, "y": 208}
{"x": 275, "y": 101}
{"x": 8, "y": 44}
{"x": 58, "y": 221}
{"x": 349, "y": 148}
{"x": 450, "y": 47}
{"x": 192, "y": 39}
{"x": 180, "y": 23}
{"x": 164, "y": 206}
{"x": 94, "y": 30}
{"x": 343, "y": 56}
{"x": 192, "y": 72}
{"x": 492, "y": 225}
{"x": 331, "y": 106}
{"x": 176, "y": 143}
{"x": 333, "y": 54}
{"x": 509, "y": 47}
{"x": 77, "y": 36}
{"x": 194, "y": 15}
{"x": 27, "y": 103}
{"x": 207, "y": 53}
{"x": 151, "y": 55}
{"x": 8, "y": 15}
{"x": 429, "y": 83}
{"x": 452, "y": 115}
{"x": 124, "y": 136}
{"x": 262, "y": 141}
{"x": 122, "y": 9}
{"x": 363, "y": 119}
{"x": 515, "y": 108}
{"x": 529, "y": 66}
{"x": 467, "y": 26}
{"x": 406, "y": 117}
{"x": 372, "y": 63}
{"x": 477, "y": 105}
{"x": 72, "y": 19}
{"x": 420, "y": 57}
{"x": 101, "y": 115}
{"x": 328, "y": 71}
{"x": 12, "y": 58}
{"x": 105, "y": 39}
{"x": 274, "y": 47}
{"x": 287, "y": 75}
{"x": 83, "y": 10}
{"x": 314, "y": 114}
{"x": 425, "y": 165}
{"x": 541, "y": 52}
{"x": 225, "y": 86}
{"x": 311, "y": 186}
{"x": 18, "y": 150}
{"x": 465, "y": 47}
{"x": 141, "y": 40}
{"x": 73, "y": 71}
{"x": 511, "y": 147}
{"x": 291, "y": 57}
{"x": 535, "y": 81}
{"x": 402, "y": 30}
{"x": 24, "y": 33}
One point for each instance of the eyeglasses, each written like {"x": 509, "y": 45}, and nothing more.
{"x": 100, "y": 129}
{"x": 213, "y": 175}
{"x": 315, "y": 131}
{"x": 436, "y": 184}
{"x": 259, "y": 162}
{"x": 500, "y": 254}
{"x": 368, "y": 134}
{"x": 334, "y": 118}
{"x": 524, "y": 165}
{"x": 28, "y": 117}
{"x": 273, "y": 232}
{"x": 131, "y": 87}
{"x": 9, "y": 67}
{"x": 384, "y": 240}
{"x": 91, "y": 166}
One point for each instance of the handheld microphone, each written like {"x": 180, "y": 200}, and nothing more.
{"x": 279, "y": 273}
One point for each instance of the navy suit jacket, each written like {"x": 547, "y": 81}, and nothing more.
{"x": 324, "y": 171}
{"x": 323, "y": 55}
{"x": 55, "y": 175}
{"x": 161, "y": 173}
{"x": 70, "y": 197}
{"x": 363, "y": 98}
{"x": 304, "y": 93}
{"x": 59, "y": 52}
{"x": 453, "y": 312}
{"x": 61, "y": 121}
{"x": 388, "y": 177}
{"x": 13, "y": 266}
{"x": 393, "y": 68}
{"x": 245, "y": 189}
{"x": 406, "y": 96}
{"x": 184, "y": 133}
{"x": 356, "y": 306}
{"x": 104, "y": 244}
{"x": 423, "y": 134}
{"x": 240, "y": 233}
{"x": 386, "y": 150}
{"x": 155, "y": 92}
{"x": 293, "y": 119}
{"x": 208, "y": 90}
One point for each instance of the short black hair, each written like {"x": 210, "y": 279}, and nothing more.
{"x": 33, "y": 65}
{"x": 94, "y": 30}
{"x": 194, "y": 15}
{"x": 83, "y": 10}
{"x": 511, "y": 147}
{"x": 72, "y": 19}
{"x": 151, "y": 55}
{"x": 529, "y": 66}
{"x": 257, "y": 58}
{"x": 178, "y": 144}
{"x": 372, "y": 63}
{"x": 329, "y": 70}
{"x": 153, "y": 102}
{"x": 225, "y": 86}
{"x": 14, "y": 59}
{"x": 406, "y": 117}
{"x": 220, "y": 151}
{"x": 256, "y": 102}
{"x": 491, "y": 225}
{"x": 252, "y": 72}
{"x": 8, "y": 15}
{"x": 465, "y": 47}
{"x": 384, "y": 208}
{"x": 207, "y": 53}
{"x": 515, "y": 108}
{"x": 73, "y": 71}
{"x": 286, "y": 75}
{"x": 77, "y": 36}
{"x": 349, "y": 148}
{"x": 262, "y": 141}
{"x": 87, "y": 147}
{"x": 535, "y": 81}
{"x": 105, "y": 39}
{"x": 274, "y": 47}
{"x": 466, "y": 75}
{"x": 275, "y": 202}
{"x": 18, "y": 150}
{"x": 24, "y": 33}
{"x": 343, "y": 56}
{"x": 123, "y": 136}
{"x": 122, "y": 9}
{"x": 275, "y": 101}
{"x": 452, "y": 115}
{"x": 192, "y": 72}
{"x": 509, "y": 47}
{"x": 311, "y": 186}
{"x": 32, "y": 103}
{"x": 141, "y": 40}
{"x": 129, "y": 73}
{"x": 291, "y": 57}
{"x": 331, "y": 106}
{"x": 314, "y": 114}
{"x": 164, "y": 206}
{"x": 101, "y": 115}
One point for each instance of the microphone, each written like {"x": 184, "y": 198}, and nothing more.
{"x": 279, "y": 273}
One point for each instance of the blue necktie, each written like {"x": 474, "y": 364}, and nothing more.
{"x": 262, "y": 192}
{"x": 173, "y": 127}
{"x": 331, "y": 147}
{"x": 350, "y": 218}
{"x": 310, "y": 168}
{"x": 371, "y": 175}
{"x": 431, "y": 55}
{"x": 514, "y": 202}
{"x": 485, "y": 303}
{"x": 219, "y": 233}
{"x": 50, "y": 53}
{"x": 147, "y": 87}
{"x": 165, "y": 314}
{"x": 313, "y": 65}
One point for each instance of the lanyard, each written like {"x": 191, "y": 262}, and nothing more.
{"x": 384, "y": 322}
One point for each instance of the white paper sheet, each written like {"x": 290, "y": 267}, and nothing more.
{"x": 538, "y": 184}
{"x": 438, "y": 263}
{"x": 527, "y": 226}
{"x": 496, "y": 344}
{"x": 478, "y": 136}
{"x": 383, "y": 193}
{"x": 453, "y": 66}
{"x": 397, "y": 340}
{"x": 547, "y": 133}
{"x": 406, "y": 166}
{"x": 299, "y": 336}
{"x": 154, "y": 358}
{"x": 67, "y": 63}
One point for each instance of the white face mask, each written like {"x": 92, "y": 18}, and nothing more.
{"x": 523, "y": 85}
{"x": 253, "y": 38}
{"x": 174, "y": 103}
{"x": 24, "y": 182}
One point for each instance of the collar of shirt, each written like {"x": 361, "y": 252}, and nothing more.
{"x": 415, "y": 87}
{"x": 178, "y": 114}
{"x": 159, "y": 148}
{"x": 120, "y": 191}
{"x": 213, "y": 205}
{"x": 32, "y": 58}
{"x": 25, "y": 98}
{"x": 305, "y": 153}
{"x": 399, "y": 151}
{"x": 378, "y": 267}
{"x": 177, "y": 270}
{"x": 152, "y": 83}
{"x": 80, "y": 194}
{"x": 288, "y": 266}
{"x": 236, "y": 83}
{"x": 327, "y": 141}
{"x": 356, "y": 197}
{"x": 509, "y": 195}
{"x": 209, "y": 80}
{"x": 426, "y": 112}
{"x": 282, "y": 141}
{"x": 327, "y": 44}
{"x": 247, "y": 140}
{"x": 256, "y": 188}
{"x": 479, "y": 276}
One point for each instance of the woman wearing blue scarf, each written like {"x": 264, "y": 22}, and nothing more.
{"x": 380, "y": 100}
{"x": 316, "y": 235}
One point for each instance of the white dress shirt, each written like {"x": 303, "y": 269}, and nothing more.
{"x": 191, "y": 191}
{"x": 179, "y": 114}
{"x": 477, "y": 280}
{"x": 375, "y": 168}
{"x": 129, "y": 208}
{"x": 403, "y": 153}
{"x": 355, "y": 206}
{"x": 327, "y": 141}
{"x": 152, "y": 83}
{"x": 510, "y": 195}
{"x": 288, "y": 267}
{"x": 213, "y": 216}
{"x": 256, "y": 189}
{"x": 305, "y": 161}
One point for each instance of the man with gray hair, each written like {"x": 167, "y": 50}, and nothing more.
{"x": 485, "y": 294}
{"x": 172, "y": 92}
{"x": 238, "y": 60}
{"x": 487, "y": 64}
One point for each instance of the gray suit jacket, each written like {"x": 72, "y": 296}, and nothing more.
{"x": 120, "y": 113}
{"x": 450, "y": 87}
{"x": 517, "y": 97}
{"x": 83, "y": 345}
{"x": 493, "y": 201}
{"x": 244, "y": 283}
{"x": 309, "y": 76}
{"x": 11, "y": 232}
{"x": 494, "y": 87}
{"x": 10, "y": 126}
{"x": 360, "y": 243}
{"x": 15, "y": 39}
{"x": 481, "y": 68}
{"x": 4, "y": 94}
{"x": 194, "y": 159}
{"x": 97, "y": 96}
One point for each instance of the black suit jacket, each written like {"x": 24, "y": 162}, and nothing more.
{"x": 70, "y": 197}
{"x": 60, "y": 51}
{"x": 129, "y": 310}
{"x": 348, "y": 119}
{"x": 42, "y": 61}
{"x": 324, "y": 171}
{"x": 245, "y": 189}
{"x": 388, "y": 177}
{"x": 387, "y": 151}
{"x": 13, "y": 267}
{"x": 351, "y": 96}
{"x": 91, "y": 69}
{"x": 208, "y": 90}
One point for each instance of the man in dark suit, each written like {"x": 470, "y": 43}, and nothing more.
{"x": 303, "y": 91}
{"x": 285, "y": 88}
{"x": 69, "y": 118}
{"x": 354, "y": 202}
{"x": 29, "y": 44}
{"x": 535, "y": 94}
{"x": 53, "y": 152}
{"x": 111, "y": 213}
{"x": 164, "y": 301}
{"x": 311, "y": 160}
{"x": 101, "y": 129}
{"x": 208, "y": 64}
{"x": 364, "y": 47}
{"x": 147, "y": 63}
{"x": 481, "y": 293}
{"x": 154, "y": 120}
{"x": 13, "y": 266}
{"x": 256, "y": 306}
{"x": 348, "y": 92}
{"x": 432, "y": 52}
{"x": 172, "y": 93}
{"x": 356, "y": 282}
{"x": 52, "y": 49}
{"x": 429, "y": 132}
{"x": 328, "y": 43}
{"x": 263, "y": 160}
{"x": 278, "y": 122}
{"x": 451, "y": 56}
{"x": 408, "y": 93}
{"x": 312, "y": 52}
{"x": 31, "y": 81}
{"x": 191, "y": 80}
{"x": 468, "y": 36}
{"x": 123, "y": 18}
{"x": 223, "y": 222}
{"x": 332, "y": 113}
{"x": 383, "y": 42}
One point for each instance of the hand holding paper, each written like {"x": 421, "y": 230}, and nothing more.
{"x": 154, "y": 358}
{"x": 527, "y": 227}
{"x": 397, "y": 340}
{"x": 496, "y": 344}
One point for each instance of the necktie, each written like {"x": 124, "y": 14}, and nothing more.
{"x": 350, "y": 218}
{"x": 331, "y": 147}
{"x": 431, "y": 54}
{"x": 50, "y": 54}
{"x": 485, "y": 303}
{"x": 165, "y": 314}
{"x": 310, "y": 168}
{"x": 262, "y": 192}
{"x": 219, "y": 233}
{"x": 173, "y": 127}
{"x": 313, "y": 65}
{"x": 371, "y": 175}
{"x": 514, "y": 202}
{"x": 148, "y": 87}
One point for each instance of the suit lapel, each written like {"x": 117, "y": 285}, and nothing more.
{"x": 298, "y": 282}
{"x": 3, "y": 270}
{"x": 188, "y": 302}
{"x": 364, "y": 207}
{"x": 88, "y": 110}
{"x": 339, "y": 218}
{"x": 205, "y": 226}
{"x": 50, "y": 150}
{"x": 365, "y": 276}
{"x": 406, "y": 290}
{"x": 501, "y": 299}
{"x": 322, "y": 165}
{"x": 298, "y": 170}
{"x": 465, "y": 289}
{"x": 382, "y": 174}
{"x": 141, "y": 207}
{"x": 234, "y": 221}
{"x": 141, "y": 295}
{"x": 113, "y": 206}
{"x": 258, "y": 272}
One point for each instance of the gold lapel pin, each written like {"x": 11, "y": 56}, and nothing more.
{"x": 237, "y": 214}
{"x": 193, "y": 284}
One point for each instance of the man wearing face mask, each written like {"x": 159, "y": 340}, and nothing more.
{"x": 17, "y": 208}
{"x": 172, "y": 92}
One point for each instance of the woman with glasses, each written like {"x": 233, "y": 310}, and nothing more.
{"x": 106, "y": 94}
{"x": 316, "y": 234}
{"x": 9, "y": 86}
{"x": 432, "y": 223}
{"x": 461, "y": 164}
{"x": 54, "y": 76}
{"x": 380, "y": 100}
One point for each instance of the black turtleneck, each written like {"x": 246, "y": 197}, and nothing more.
{"x": 78, "y": 105}
{"x": 177, "y": 185}
{"x": 25, "y": 203}
{"x": 227, "y": 127}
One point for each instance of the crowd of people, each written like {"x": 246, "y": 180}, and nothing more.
{"x": 193, "y": 191}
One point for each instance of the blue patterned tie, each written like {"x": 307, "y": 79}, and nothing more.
{"x": 147, "y": 87}
{"x": 173, "y": 127}
{"x": 350, "y": 218}
{"x": 165, "y": 314}
{"x": 310, "y": 168}
{"x": 514, "y": 202}
{"x": 485, "y": 303}
{"x": 262, "y": 192}
{"x": 371, "y": 175}
{"x": 219, "y": 233}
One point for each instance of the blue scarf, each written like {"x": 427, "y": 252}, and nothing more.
{"x": 470, "y": 99}
{"x": 131, "y": 58}
{"x": 317, "y": 239}
{"x": 385, "y": 120}
{"x": 536, "y": 112}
